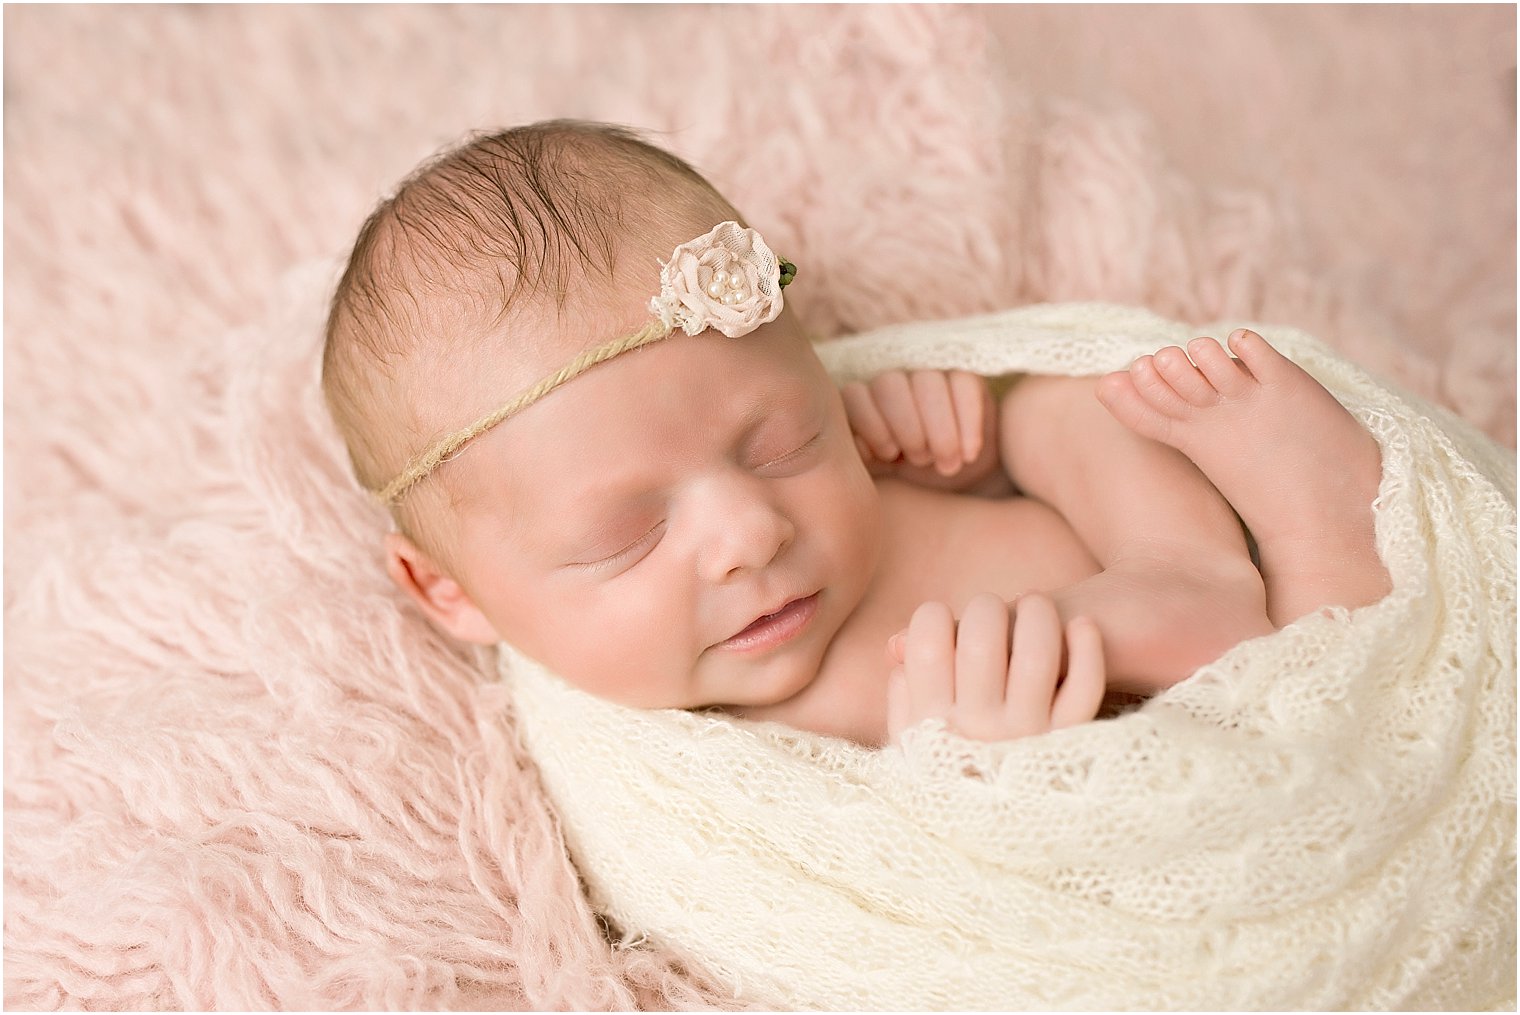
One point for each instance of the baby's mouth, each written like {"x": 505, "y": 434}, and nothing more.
{"x": 774, "y": 629}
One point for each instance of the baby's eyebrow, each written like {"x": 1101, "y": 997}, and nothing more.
{"x": 757, "y": 414}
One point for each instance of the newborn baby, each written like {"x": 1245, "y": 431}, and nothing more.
{"x": 565, "y": 366}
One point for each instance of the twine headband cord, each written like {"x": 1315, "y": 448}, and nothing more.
{"x": 727, "y": 279}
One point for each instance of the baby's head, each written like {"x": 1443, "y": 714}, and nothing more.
{"x": 625, "y": 526}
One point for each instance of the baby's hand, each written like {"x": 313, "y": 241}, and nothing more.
{"x": 934, "y": 427}
{"x": 965, "y": 674}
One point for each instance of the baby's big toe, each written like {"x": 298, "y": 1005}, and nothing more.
{"x": 1266, "y": 364}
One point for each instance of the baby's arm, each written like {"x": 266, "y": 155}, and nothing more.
{"x": 1004, "y": 671}
{"x": 934, "y": 428}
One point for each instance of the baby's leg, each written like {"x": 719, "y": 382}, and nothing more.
{"x": 1178, "y": 587}
{"x": 1296, "y": 465}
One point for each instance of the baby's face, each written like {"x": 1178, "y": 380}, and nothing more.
{"x": 630, "y": 529}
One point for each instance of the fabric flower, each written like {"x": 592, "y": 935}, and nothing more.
{"x": 728, "y": 280}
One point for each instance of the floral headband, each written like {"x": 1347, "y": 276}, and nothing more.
{"x": 728, "y": 280}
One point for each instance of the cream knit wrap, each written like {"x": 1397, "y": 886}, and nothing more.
{"x": 1324, "y": 818}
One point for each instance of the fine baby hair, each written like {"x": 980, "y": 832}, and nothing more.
{"x": 728, "y": 280}
{"x": 493, "y": 235}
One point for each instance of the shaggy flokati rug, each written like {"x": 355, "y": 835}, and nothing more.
{"x": 239, "y": 771}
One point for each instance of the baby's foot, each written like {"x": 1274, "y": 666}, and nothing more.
{"x": 1164, "y": 611}
{"x": 1296, "y": 466}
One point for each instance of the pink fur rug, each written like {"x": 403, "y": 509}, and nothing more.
{"x": 239, "y": 772}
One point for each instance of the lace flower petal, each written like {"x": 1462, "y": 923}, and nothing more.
{"x": 728, "y": 279}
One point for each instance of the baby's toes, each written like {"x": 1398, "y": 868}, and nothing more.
{"x": 1173, "y": 364}
{"x": 1266, "y": 364}
{"x": 1155, "y": 388}
{"x": 1119, "y": 395}
{"x": 1226, "y": 374}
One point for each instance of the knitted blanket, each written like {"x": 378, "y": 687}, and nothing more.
{"x": 1324, "y": 818}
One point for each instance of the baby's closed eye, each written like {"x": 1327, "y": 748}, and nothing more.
{"x": 797, "y": 453}
{"x": 625, "y": 555}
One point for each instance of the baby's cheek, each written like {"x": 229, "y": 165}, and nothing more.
{"x": 627, "y": 646}
{"x": 850, "y": 516}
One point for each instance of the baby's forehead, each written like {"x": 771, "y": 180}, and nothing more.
{"x": 656, "y": 410}
{"x": 481, "y": 352}
{"x": 475, "y": 359}
{"x": 697, "y": 392}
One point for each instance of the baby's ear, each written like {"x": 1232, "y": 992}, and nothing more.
{"x": 441, "y": 597}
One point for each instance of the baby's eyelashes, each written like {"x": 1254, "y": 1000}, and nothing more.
{"x": 607, "y": 562}
{"x": 798, "y": 452}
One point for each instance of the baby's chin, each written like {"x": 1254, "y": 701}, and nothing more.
{"x": 736, "y": 682}
{"x": 778, "y": 683}
{"x": 712, "y": 683}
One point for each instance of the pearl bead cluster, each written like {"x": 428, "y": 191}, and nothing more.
{"x": 730, "y": 288}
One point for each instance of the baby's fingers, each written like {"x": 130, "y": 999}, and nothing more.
{"x": 867, "y": 422}
{"x": 929, "y": 663}
{"x": 897, "y": 704}
{"x": 1035, "y": 665}
{"x": 931, "y": 390}
{"x": 981, "y": 660}
{"x": 972, "y": 403}
{"x": 1081, "y": 693}
{"x": 894, "y": 397}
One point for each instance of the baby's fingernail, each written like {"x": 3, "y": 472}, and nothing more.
{"x": 892, "y": 451}
{"x": 947, "y": 468}
{"x": 895, "y": 644}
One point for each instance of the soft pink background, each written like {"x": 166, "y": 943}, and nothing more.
{"x": 238, "y": 771}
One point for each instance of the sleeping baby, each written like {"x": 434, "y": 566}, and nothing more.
{"x": 565, "y": 365}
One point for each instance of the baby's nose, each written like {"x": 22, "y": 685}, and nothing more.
{"x": 744, "y": 533}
